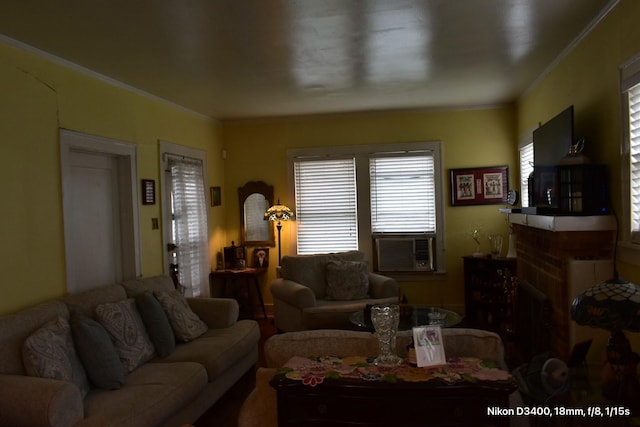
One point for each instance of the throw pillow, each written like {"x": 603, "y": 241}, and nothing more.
{"x": 347, "y": 280}
{"x": 185, "y": 323}
{"x": 157, "y": 323}
{"x": 122, "y": 320}
{"x": 97, "y": 353}
{"x": 49, "y": 353}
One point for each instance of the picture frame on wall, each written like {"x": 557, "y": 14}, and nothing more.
{"x": 148, "y": 191}
{"x": 260, "y": 257}
{"x": 479, "y": 186}
{"x": 216, "y": 196}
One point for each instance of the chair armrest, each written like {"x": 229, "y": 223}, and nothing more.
{"x": 382, "y": 286}
{"x": 37, "y": 401}
{"x": 293, "y": 293}
{"x": 216, "y": 312}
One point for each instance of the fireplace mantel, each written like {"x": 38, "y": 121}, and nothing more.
{"x": 565, "y": 223}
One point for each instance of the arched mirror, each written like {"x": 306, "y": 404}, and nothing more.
{"x": 255, "y": 198}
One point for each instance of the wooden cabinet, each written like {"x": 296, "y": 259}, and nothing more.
{"x": 490, "y": 285}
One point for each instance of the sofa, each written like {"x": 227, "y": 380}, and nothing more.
{"x": 119, "y": 380}
{"x": 260, "y": 407}
{"x": 322, "y": 291}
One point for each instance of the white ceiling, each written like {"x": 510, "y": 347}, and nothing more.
{"x": 255, "y": 58}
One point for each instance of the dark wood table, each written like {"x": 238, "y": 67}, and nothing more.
{"x": 315, "y": 397}
{"x": 231, "y": 278}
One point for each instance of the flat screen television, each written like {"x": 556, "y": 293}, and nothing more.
{"x": 552, "y": 140}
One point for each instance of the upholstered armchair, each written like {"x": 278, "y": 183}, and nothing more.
{"x": 322, "y": 291}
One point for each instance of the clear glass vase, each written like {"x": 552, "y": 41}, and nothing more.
{"x": 385, "y": 319}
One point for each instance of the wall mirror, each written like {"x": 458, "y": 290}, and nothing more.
{"x": 255, "y": 198}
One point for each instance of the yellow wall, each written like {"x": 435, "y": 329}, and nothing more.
{"x": 256, "y": 150}
{"x": 39, "y": 97}
{"x": 588, "y": 78}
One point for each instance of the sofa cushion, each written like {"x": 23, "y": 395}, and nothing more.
{"x": 310, "y": 270}
{"x": 87, "y": 301}
{"x": 49, "y": 353}
{"x": 218, "y": 349}
{"x": 157, "y": 323}
{"x": 122, "y": 320}
{"x": 97, "y": 353}
{"x": 185, "y": 323}
{"x": 151, "y": 394}
{"x": 347, "y": 280}
{"x": 151, "y": 284}
{"x": 15, "y": 328}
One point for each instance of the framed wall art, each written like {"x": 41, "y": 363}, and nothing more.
{"x": 479, "y": 186}
{"x": 216, "y": 196}
{"x": 148, "y": 191}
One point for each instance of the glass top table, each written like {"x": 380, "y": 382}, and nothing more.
{"x": 410, "y": 316}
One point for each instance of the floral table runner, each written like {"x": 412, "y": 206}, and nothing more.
{"x": 314, "y": 370}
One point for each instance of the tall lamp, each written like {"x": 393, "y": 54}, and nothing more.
{"x": 279, "y": 213}
{"x": 614, "y": 305}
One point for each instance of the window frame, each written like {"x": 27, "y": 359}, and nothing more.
{"x": 361, "y": 154}
{"x": 629, "y": 78}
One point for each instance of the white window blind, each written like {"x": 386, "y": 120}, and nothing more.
{"x": 326, "y": 210}
{"x": 190, "y": 232}
{"x": 526, "y": 168}
{"x": 634, "y": 147}
{"x": 402, "y": 193}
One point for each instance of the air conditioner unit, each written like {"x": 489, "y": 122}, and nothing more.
{"x": 407, "y": 253}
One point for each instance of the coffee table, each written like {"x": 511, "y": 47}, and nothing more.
{"x": 410, "y": 316}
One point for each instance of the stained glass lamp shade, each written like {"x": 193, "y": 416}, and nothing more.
{"x": 279, "y": 212}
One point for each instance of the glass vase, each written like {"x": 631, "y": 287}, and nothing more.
{"x": 385, "y": 319}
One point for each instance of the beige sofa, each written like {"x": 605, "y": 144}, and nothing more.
{"x": 164, "y": 391}
{"x": 260, "y": 407}
{"x": 322, "y": 291}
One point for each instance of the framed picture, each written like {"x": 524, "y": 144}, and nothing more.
{"x": 216, "y": 196}
{"x": 479, "y": 186}
{"x": 148, "y": 192}
{"x": 261, "y": 258}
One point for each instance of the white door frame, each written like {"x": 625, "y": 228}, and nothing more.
{"x": 126, "y": 155}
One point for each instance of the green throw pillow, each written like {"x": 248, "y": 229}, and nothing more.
{"x": 97, "y": 353}
{"x": 157, "y": 323}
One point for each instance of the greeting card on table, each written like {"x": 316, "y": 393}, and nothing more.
{"x": 429, "y": 346}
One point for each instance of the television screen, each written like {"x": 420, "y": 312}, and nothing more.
{"x": 552, "y": 140}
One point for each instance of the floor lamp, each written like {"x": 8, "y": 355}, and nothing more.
{"x": 279, "y": 213}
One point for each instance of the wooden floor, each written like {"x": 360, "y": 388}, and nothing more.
{"x": 224, "y": 413}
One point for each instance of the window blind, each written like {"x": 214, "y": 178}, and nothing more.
{"x": 402, "y": 193}
{"x": 526, "y": 168}
{"x": 326, "y": 212}
{"x": 190, "y": 230}
{"x": 634, "y": 148}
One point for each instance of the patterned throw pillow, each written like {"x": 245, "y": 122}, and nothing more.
{"x": 122, "y": 320}
{"x": 157, "y": 323}
{"x": 347, "y": 280}
{"x": 97, "y": 353}
{"x": 185, "y": 323}
{"x": 49, "y": 353}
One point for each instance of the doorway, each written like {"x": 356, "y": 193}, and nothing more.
{"x": 99, "y": 194}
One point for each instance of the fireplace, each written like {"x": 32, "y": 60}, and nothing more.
{"x": 550, "y": 250}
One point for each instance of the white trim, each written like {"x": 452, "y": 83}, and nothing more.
{"x": 94, "y": 74}
{"x": 73, "y": 140}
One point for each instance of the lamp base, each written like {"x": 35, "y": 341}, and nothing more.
{"x": 619, "y": 378}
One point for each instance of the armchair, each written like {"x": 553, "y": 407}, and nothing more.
{"x": 322, "y": 291}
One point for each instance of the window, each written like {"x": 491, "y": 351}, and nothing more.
{"x": 346, "y": 195}
{"x": 630, "y": 85}
{"x": 185, "y": 208}
{"x": 526, "y": 168}
{"x": 326, "y": 205}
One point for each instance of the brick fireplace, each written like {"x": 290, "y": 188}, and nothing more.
{"x": 547, "y": 249}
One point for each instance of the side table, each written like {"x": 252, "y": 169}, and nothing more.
{"x": 247, "y": 276}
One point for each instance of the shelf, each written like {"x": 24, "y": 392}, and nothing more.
{"x": 565, "y": 223}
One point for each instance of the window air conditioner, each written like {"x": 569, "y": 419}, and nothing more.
{"x": 394, "y": 253}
